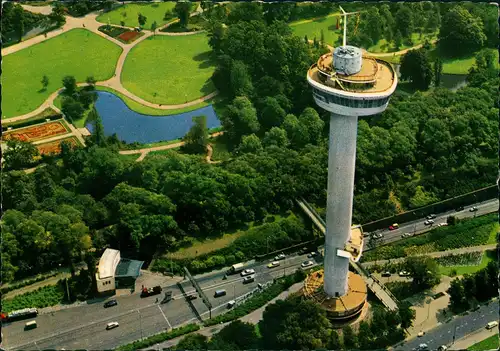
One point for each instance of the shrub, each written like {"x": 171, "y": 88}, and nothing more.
{"x": 42, "y": 297}
{"x": 158, "y": 338}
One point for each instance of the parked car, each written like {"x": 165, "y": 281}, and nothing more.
{"x": 307, "y": 264}
{"x": 431, "y": 216}
{"x": 420, "y": 334}
{"x": 192, "y": 297}
{"x": 442, "y": 348}
{"x": 444, "y": 224}
{"x": 279, "y": 257}
{"x": 231, "y": 303}
{"x": 473, "y": 209}
{"x": 404, "y": 274}
{"x": 312, "y": 254}
{"x": 386, "y": 274}
{"x": 406, "y": 235}
{"x": 248, "y": 279}
{"x": 273, "y": 264}
{"x": 459, "y": 208}
{"x": 429, "y": 222}
{"x": 491, "y": 325}
{"x": 247, "y": 272}
{"x": 110, "y": 303}
{"x": 377, "y": 235}
{"x": 394, "y": 226}
{"x": 112, "y": 325}
{"x": 423, "y": 347}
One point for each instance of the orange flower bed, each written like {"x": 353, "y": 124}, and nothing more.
{"x": 128, "y": 36}
{"x": 54, "y": 147}
{"x": 39, "y": 132}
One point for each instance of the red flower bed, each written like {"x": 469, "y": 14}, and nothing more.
{"x": 42, "y": 131}
{"x": 128, "y": 36}
{"x": 54, "y": 147}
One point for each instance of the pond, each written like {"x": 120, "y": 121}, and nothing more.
{"x": 131, "y": 126}
{"x": 449, "y": 81}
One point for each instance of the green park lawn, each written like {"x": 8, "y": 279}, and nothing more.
{"x": 79, "y": 53}
{"x": 383, "y": 46}
{"x": 459, "y": 65}
{"x": 129, "y": 13}
{"x": 170, "y": 69}
{"x": 488, "y": 256}
{"x": 313, "y": 29}
{"x": 490, "y": 343}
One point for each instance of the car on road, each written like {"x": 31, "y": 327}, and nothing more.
{"x": 442, "y": 348}
{"x": 112, "y": 325}
{"x": 459, "y": 208}
{"x": 473, "y": 209}
{"x": 312, "y": 254}
{"x": 192, "y": 297}
{"x": 248, "y": 279}
{"x": 431, "y": 216}
{"x": 404, "y": 274}
{"x": 422, "y": 347}
{"x": 406, "y": 235}
{"x": 491, "y": 325}
{"x": 307, "y": 264}
{"x": 377, "y": 235}
{"x": 219, "y": 293}
{"x": 420, "y": 334}
{"x": 231, "y": 303}
{"x": 273, "y": 264}
{"x": 279, "y": 257}
{"x": 386, "y": 274}
{"x": 394, "y": 226}
{"x": 444, "y": 224}
{"x": 110, "y": 303}
{"x": 429, "y": 222}
{"x": 247, "y": 272}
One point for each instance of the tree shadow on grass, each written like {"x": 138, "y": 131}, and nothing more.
{"x": 208, "y": 87}
{"x": 205, "y": 59}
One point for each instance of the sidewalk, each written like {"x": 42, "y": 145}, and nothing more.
{"x": 471, "y": 339}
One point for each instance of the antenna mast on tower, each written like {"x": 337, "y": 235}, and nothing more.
{"x": 345, "y": 14}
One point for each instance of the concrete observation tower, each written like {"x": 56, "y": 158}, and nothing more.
{"x": 349, "y": 85}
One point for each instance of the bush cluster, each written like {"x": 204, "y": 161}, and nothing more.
{"x": 465, "y": 259}
{"x": 42, "y": 297}
{"x": 155, "y": 339}
{"x": 112, "y": 31}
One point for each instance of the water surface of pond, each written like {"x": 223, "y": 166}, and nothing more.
{"x": 131, "y": 126}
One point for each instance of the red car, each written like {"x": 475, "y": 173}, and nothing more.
{"x": 394, "y": 226}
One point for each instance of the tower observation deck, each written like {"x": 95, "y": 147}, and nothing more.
{"x": 348, "y": 85}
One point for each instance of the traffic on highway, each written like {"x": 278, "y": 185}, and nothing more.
{"x": 85, "y": 326}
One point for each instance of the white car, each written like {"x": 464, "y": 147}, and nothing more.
{"x": 273, "y": 264}
{"x": 444, "y": 224}
{"x": 423, "y": 347}
{"x": 280, "y": 257}
{"x": 247, "y": 272}
{"x": 112, "y": 325}
{"x": 307, "y": 264}
{"x": 473, "y": 209}
{"x": 429, "y": 222}
{"x": 420, "y": 334}
{"x": 377, "y": 235}
{"x": 491, "y": 325}
{"x": 406, "y": 235}
{"x": 404, "y": 274}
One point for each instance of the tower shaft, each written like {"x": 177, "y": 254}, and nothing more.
{"x": 341, "y": 168}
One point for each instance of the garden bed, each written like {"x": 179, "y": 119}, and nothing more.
{"x": 54, "y": 147}
{"x": 37, "y": 132}
{"x": 465, "y": 259}
{"x": 121, "y": 34}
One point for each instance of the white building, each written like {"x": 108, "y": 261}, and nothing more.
{"x": 113, "y": 270}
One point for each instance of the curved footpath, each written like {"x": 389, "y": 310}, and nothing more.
{"x": 90, "y": 23}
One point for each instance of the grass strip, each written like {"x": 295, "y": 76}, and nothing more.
{"x": 158, "y": 338}
{"x": 491, "y": 343}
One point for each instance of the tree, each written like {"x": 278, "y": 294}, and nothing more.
{"x": 19, "y": 154}
{"x": 57, "y": 14}
{"x": 398, "y": 39}
{"x": 334, "y": 341}
{"x": 374, "y": 24}
{"x": 240, "y": 119}
{"x": 196, "y": 139}
{"x": 416, "y": 67}
{"x": 366, "y": 339}
{"x": 322, "y": 37}
{"x": 97, "y": 136}
{"x": 141, "y": 19}
{"x": 45, "y": 82}
{"x": 19, "y": 21}
{"x": 350, "y": 339}
{"x": 294, "y": 324}
{"x": 182, "y": 9}
{"x": 122, "y": 23}
{"x": 461, "y": 32}
{"x": 69, "y": 84}
{"x": 404, "y": 21}
{"x": 276, "y": 136}
{"x": 250, "y": 144}
{"x": 406, "y": 313}
{"x": 272, "y": 114}
{"x": 457, "y": 295}
{"x": 90, "y": 80}
{"x": 240, "y": 80}
{"x": 153, "y": 27}
{"x": 235, "y": 336}
{"x": 72, "y": 109}
{"x": 438, "y": 70}
{"x": 193, "y": 341}
{"x": 424, "y": 271}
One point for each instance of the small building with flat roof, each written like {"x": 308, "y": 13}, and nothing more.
{"x": 113, "y": 271}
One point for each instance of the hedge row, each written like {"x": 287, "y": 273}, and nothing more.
{"x": 258, "y": 300}
{"x": 467, "y": 232}
{"x": 27, "y": 282}
{"x": 269, "y": 236}
{"x": 158, "y": 338}
{"x": 30, "y": 122}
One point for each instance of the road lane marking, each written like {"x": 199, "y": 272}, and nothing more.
{"x": 166, "y": 320}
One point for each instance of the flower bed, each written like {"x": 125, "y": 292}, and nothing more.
{"x": 54, "y": 147}
{"x": 112, "y": 31}
{"x": 465, "y": 259}
{"x": 38, "y": 132}
{"x": 129, "y": 36}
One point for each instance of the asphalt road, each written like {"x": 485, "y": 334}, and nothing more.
{"x": 418, "y": 226}
{"x": 458, "y": 327}
{"x": 84, "y": 327}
